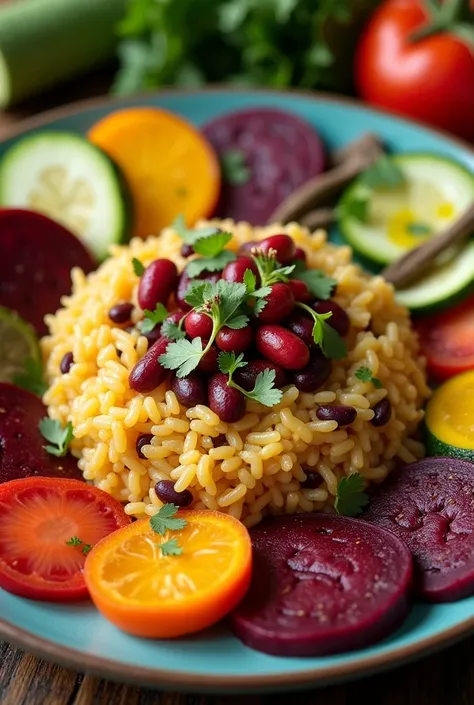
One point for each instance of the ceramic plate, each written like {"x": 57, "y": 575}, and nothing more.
{"x": 215, "y": 661}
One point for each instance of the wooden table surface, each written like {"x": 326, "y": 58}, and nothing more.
{"x": 446, "y": 678}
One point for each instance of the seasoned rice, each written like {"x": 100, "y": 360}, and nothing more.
{"x": 262, "y": 464}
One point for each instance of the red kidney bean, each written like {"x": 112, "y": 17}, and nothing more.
{"x": 339, "y": 319}
{"x": 300, "y": 255}
{"x": 382, "y": 413}
{"x": 284, "y": 246}
{"x": 174, "y": 317}
{"x": 230, "y": 340}
{"x": 156, "y": 284}
{"x": 208, "y": 363}
{"x": 198, "y": 325}
{"x": 246, "y": 376}
{"x": 167, "y": 494}
{"x": 344, "y": 415}
{"x": 148, "y": 373}
{"x": 227, "y": 402}
{"x": 144, "y": 440}
{"x": 301, "y": 325}
{"x": 185, "y": 282}
{"x": 247, "y": 247}
{"x": 280, "y": 303}
{"x": 313, "y": 480}
{"x": 234, "y": 271}
{"x": 282, "y": 347}
{"x": 300, "y": 290}
{"x": 187, "y": 250}
{"x": 190, "y": 390}
{"x": 313, "y": 376}
{"x": 66, "y": 363}
{"x": 121, "y": 313}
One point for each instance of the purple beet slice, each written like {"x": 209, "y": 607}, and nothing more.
{"x": 21, "y": 444}
{"x": 430, "y": 506}
{"x": 278, "y": 152}
{"x": 37, "y": 255}
{"x": 323, "y": 584}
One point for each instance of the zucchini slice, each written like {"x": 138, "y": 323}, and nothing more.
{"x": 64, "y": 176}
{"x": 449, "y": 420}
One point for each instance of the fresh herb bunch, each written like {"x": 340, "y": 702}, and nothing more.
{"x": 308, "y": 43}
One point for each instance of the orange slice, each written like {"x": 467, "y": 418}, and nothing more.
{"x": 169, "y": 166}
{"x": 149, "y": 594}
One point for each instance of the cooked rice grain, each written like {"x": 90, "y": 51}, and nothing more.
{"x": 261, "y": 466}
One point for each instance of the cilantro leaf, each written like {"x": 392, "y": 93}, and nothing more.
{"x": 234, "y": 169}
{"x": 212, "y": 245}
{"x": 171, "y": 548}
{"x": 418, "y": 229}
{"x": 332, "y": 345}
{"x": 250, "y": 281}
{"x": 320, "y": 285}
{"x": 172, "y": 331}
{"x": 164, "y": 520}
{"x": 32, "y": 378}
{"x": 269, "y": 269}
{"x": 74, "y": 541}
{"x": 231, "y": 296}
{"x": 189, "y": 235}
{"x": 264, "y": 390}
{"x": 153, "y": 318}
{"x": 237, "y": 322}
{"x": 350, "y": 497}
{"x": 228, "y": 362}
{"x": 183, "y": 356}
{"x": 384, "y": 174}
{"x": 357, "y": 206}
{"x": 86, "y": 548}
{"x": 138, "y": 267}
{"x": 197, "y": 293}
{"x": 59, "y": 437}
{"x": 210, "y": 264}
{"x": 365, "y": 375}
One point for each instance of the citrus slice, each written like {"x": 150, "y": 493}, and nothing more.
{"x": 147, "y": 593}
{"x": 168, "y": 165}
{"x": 18, "y": 343}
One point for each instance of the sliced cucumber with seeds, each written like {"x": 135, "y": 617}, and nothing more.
{"x": 435, "y": 191}
{"x": 64, "y": 176}
{"x": 18, "y": 343}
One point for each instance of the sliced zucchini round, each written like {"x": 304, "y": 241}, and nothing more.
{"x": 435, "y": 191}
{"x": 448, "y": 422}
{"x": 64, "y": 176}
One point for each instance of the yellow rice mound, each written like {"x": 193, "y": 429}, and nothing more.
{"x": 261, "y": 466}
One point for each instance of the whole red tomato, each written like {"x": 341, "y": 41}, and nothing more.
{"x": 406, "y": 63}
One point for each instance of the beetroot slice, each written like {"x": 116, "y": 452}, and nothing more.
{"x": 37, "y": 255}
{"x": 323, "y": 584}
{"x": 430, "y": 506}
{"x": 21, "y": 444}
{"x": 281, "y": 152}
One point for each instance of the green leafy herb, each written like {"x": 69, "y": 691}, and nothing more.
{"x": 86, "y": 548}
{"x": 320, "y": 285}
{"x": 356, "y": 206}
{"x": 269, "y": 268}
{"x": 324, "y": 335}
{"x": 138, "y": 267}
{"x": 170, "y": 548}
{"x": 350, "y": 497}
{"x": 172, "y": 331}
{"x": 212, "y": 245}
{"x": 418, "y": 229}
{"x": 234, "y": 169}
{"x": 256, "y": 301}
{"x": 165, "y": 520}
{"x": 210, "y": 264}
{"x": 32, "y": 378}
{"x": 190, "y": 235}
{"x": 365, "y": 375}
{"x": 59, "y": 437}
{"x": 384, "y": 174}
{"x": 264, "y": 390}
{"x": 75, "y": 541}
{"x": 153, "y": 318}
{"x": 183, "y": 355}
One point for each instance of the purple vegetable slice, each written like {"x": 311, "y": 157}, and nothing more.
{"x": 323, "y": 584}
{"x": 37, "y": 255}
{"x": 21, "y": 444}
{"x": 265, "y": 155}
{"x": 430, "y": 506}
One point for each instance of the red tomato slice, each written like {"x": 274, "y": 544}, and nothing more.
{"x": 447, "y": 340}
{"x": 38, "y": 515}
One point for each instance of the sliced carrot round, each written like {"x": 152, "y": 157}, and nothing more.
{"x": 149, "y": 594}
{"x": 169, "y": 166}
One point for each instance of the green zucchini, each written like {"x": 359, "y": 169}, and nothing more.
{"x": 449, "y": 419}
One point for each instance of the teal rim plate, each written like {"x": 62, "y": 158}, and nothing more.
{"x": 214, "y": 661}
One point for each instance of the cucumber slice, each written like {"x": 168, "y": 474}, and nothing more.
{"x": 448, "y": 422}
{"x": 436, "y": 191}
{"x": 64, "y": 176}
{"x": 443, "y": 285}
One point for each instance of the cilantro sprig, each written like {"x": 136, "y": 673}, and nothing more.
{"x": 138, "y": 267}
{"x": 153, "y": 318}
{"x": 165, "y": 520}
{"x": 32, "y": 378}
{"x": 365, "y": 375}
{"x": 269, "y": 268}
{"x": 172, "y": 330}
{"x": 171, "y": 548}
{"x": 214, "y": 255}
{"x": 58, "y": 437}
{"x": 350, "y": 496}
{"x": 191, "y": 235}
{"x": 324, "y": 335}
{"x": 75, "y": 541}
{"x": 264, "y": 390}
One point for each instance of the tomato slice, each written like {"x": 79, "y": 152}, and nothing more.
{"x": 38, "y": 515}
{"x": 447, "y": 340}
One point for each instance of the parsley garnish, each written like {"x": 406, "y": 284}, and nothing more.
{"x": 172, "y": 331}
{"x": 324, "y": 335}
{"x": 212, "y": 245}
{"x": 264, "y": 390}
{"x": 190, "y": 235}
{"x": 269, "y": 268}
{"x": 350, "y": 497}
{"x": 210, "y": 264}
{"x": 75, "y": 541}
{"x": 234, "y": 169}
{"x": 418, "y": 229}
{"x": 320, "y": 285}
{"x": 384, "y": 174}
{"x": 171, "y": 548}
{"x": 164, "y": 520}
{"x": 60, "y": 437}
{"x": 32, "y": 378}
{"x": 138, "y": 267}
{"x": 256, "y": 300}
{"x": 153, "y": 318}
{"x": 365, "y": 375}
